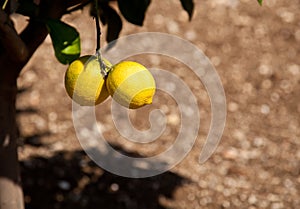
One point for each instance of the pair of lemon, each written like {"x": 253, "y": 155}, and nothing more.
{"x": 129, "y": 83}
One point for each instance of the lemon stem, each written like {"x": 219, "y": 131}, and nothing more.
{"x": 98, "y": 46}
{"x": 101, "y": 63}
{"x": 98, "y": 28}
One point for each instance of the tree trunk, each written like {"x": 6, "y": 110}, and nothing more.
{"x": 11, "y": 196}
{"x": 15, "y": 51}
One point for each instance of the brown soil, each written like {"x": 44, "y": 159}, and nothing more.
{"x": 257, "y": 164}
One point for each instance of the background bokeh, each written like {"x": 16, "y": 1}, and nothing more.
{"x": 254, "y": 49}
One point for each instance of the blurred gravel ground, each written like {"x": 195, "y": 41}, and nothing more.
{"x": 257, "y": 164}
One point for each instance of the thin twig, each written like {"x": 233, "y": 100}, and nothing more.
{"x": 98, "y": 33}
{"x": 78, "y": 7}
{"x": 98, "y": 40}
{"x": 98, "y": 28}
{"x": 4, "y": 4}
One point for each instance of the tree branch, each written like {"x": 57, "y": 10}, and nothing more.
{"x": 79, "y": 6}
{"x": 36, "y": 32}
{"x": 10, "y": 40}
{"x": 18, "y": 49}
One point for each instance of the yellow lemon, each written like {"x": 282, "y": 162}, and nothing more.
{"x": 84, "y": 82}
{"x": 131, "y": 84}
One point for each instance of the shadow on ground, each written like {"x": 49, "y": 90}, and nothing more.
{"x": 71, "y": 180}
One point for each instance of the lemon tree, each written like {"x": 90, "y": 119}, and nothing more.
{"x": 16, "y": 49}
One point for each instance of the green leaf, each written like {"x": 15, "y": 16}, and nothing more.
{"x": 27, "y": 8}
{"x": 65, "y": 40}
{"x": 114, "y": 23}
{"x": 134, "y": 10}
{"x": 188, "y": 6}
{"x": 260, "y": 2}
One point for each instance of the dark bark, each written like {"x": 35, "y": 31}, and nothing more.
{"x": 15, "y": 52}
{"x": 11, "y": 196}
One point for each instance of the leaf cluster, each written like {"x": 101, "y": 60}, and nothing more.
{"x": 66, "y": 39}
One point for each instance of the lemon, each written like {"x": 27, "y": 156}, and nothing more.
{"x": 84, "y": 82}
{"x": 131, "y": 84}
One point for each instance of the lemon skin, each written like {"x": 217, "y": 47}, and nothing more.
{"x": 84, "y": 82}
{"x": 131, "y": 84}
